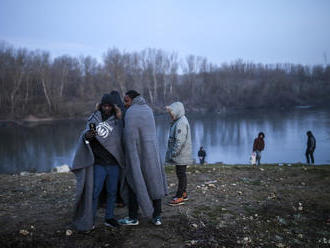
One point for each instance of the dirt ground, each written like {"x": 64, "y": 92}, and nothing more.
{"x": 229, "y": 206}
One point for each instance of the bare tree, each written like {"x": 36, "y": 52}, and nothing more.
{"x": 45, "y": 86}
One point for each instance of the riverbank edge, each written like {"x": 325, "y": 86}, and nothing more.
{"x": 32, "y": 119}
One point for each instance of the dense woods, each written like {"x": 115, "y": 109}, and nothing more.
{"x": 33, "y": 83}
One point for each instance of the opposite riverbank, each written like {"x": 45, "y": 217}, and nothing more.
{"x": 31, "y": 119}
{"x": 229, "y": 206}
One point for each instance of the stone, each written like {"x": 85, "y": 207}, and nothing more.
{"x": 24, "y": 232}
{"x": 61, "y": 169}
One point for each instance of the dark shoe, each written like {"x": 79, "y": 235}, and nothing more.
{"x": 111, "y": 223}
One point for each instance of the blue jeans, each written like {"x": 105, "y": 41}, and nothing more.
{"x": 110, "y": 175}
{"x": 258, "y": 157}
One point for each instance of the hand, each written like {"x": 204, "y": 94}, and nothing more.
{"x": 118, "y": 112}
{"x": 98, "y": 106}
{"x": 90, "y": 134}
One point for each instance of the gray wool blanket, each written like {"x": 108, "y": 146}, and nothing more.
{"x": 110, "y": 136}
{"x": 144, "y": 171}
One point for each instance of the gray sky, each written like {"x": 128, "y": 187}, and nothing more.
{"x": 266, "y": 31}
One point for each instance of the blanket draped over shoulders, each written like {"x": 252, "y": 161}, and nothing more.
{"x": 110, "y": 137}
{"x": 144, "y": 171}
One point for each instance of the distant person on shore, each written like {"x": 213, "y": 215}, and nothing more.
{"x": 179, "y": 151}
{"x": 201, "y": 155}
{"x": 96, "y": 164}
{"x": 144, "y": 179}
{"x": 311, "y": 145}
{"x": 259, "y": 146}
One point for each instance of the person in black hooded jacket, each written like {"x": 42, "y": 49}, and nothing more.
{"x": 311, "y": 145}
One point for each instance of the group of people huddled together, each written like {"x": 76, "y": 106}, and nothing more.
{"x": 118, "y": 153}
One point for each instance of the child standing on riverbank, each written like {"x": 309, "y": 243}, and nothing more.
{"x": 179, "y": 151}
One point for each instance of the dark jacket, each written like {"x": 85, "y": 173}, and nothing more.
{"x": 311, "y": 143}
{"x": 259, "y": 144}
{"x": 201, "y": 153}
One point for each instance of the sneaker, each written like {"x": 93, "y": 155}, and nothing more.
{"x": 111, "y": 223}
{"x": 176, "y": 201}
{"x": 128, "y": 222}
{"x": 185, "y": 196}
{"x": 157, "y": 221}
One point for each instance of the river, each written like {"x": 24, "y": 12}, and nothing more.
{"x": 227, "y": 138}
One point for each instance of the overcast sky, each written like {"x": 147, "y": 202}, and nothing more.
{"x": 266, "y": 31}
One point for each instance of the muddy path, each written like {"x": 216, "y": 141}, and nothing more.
{"x": 229, "y": 206}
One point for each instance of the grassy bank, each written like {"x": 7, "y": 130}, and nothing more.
{"x": 229, "y": 206}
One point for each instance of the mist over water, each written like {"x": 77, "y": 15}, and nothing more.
{"x": 226, "y": 138}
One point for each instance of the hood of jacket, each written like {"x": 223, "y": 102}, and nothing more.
{"x": 139, "y": 100}
{"x": 177, "y": 109}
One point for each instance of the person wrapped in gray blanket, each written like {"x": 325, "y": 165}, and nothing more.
{"x": 144, "y": 174}
{"x": 96, "y": 164}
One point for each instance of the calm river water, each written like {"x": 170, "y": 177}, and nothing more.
{"x": 226, "y": 138}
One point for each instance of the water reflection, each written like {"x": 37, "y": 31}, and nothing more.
{"x": 226, "y": 139}
{"x": 38, "y": 147}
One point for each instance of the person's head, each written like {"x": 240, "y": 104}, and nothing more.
{"x": 176, "y": 110}
{"x": 261, "y": 135}
{"x": 309, "y": 133}
{"x": 201, "y": 148}
{"x": 129, "y": 96}
{"x": 170, "y": 112}
{"x": 107, "y": 104}
{"x": 116, "y": 98}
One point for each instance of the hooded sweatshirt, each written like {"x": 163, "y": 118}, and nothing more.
{"x": 179, "y": 149}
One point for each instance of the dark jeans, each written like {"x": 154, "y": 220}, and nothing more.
{"x": 309, "y": 153}
{"x": 133, "y": 206}
{"x": 182, "y": 178}
{"x": 201, "y": 160}
{"x": 109, "y": 175}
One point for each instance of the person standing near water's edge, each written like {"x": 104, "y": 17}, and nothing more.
{"x": 179, "y": 151}
{"x": 96, "y": 164}
{"x": 201, "y": 155}
{"x": 259, "y": 146}
{"x": 144, "y": 180}
{"x": 311, "y": 145}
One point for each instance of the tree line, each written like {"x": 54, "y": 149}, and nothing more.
{"x": 33, "y": 83}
